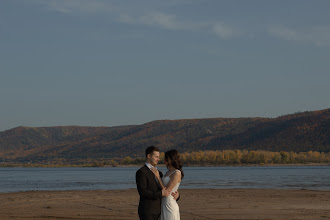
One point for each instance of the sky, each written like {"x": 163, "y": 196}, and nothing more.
{"x": 115, "y": 62}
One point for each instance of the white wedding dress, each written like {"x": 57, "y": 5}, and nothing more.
{"x": 170, "y": 208}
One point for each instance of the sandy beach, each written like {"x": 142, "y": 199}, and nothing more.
{"x": 194, "y": 204}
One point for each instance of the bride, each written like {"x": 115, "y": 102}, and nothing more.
{"x": 171, "y": 181}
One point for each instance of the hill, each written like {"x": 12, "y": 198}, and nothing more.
{"x": 297, "y": 132}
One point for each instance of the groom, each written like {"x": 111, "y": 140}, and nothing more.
{"x": 148, "y": 187}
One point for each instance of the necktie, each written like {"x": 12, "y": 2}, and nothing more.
{"x": 156, "y": 178}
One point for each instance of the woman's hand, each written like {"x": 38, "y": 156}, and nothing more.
{"x": 156, "y": 172}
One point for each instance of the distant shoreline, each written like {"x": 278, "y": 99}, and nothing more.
{"x": 162, "y": 165}
{"x": 239, "y": 165}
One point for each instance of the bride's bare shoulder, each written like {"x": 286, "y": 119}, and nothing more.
{"x": 176, "y": 174}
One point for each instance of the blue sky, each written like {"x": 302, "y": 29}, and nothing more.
{"x": 109, "y": 63}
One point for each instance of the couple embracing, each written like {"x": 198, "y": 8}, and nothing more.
{"x": 158, "y": 192}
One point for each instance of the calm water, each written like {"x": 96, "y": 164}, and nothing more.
{"x": 299, "y": 177}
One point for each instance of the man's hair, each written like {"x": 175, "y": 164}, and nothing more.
{"x": 150, "y": 150}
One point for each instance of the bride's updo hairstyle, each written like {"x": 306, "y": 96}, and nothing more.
{"x": 173, "y": 157}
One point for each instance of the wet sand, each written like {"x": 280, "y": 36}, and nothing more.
{"x": 194, "y": 204}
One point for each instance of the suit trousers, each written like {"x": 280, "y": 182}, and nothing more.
{"x": 149, "y": 217}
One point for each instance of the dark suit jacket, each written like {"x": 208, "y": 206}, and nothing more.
{"x": 149, "y": 191}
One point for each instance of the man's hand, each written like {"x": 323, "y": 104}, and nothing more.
{"x": 165, "y": 192}
{"x": 175, "y": 195}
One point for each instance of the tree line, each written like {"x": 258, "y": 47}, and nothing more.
{"x": 238, "y": 157}
{"x": 199, "y": 158}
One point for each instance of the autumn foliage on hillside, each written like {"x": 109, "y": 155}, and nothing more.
{"x": 238, "y": 157}
{"x": 299, "y": 132}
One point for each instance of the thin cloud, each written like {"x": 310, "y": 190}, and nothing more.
{"x": 223, "y": 31}
{"x": 171, "y": 22}
{"x": 76, "y": 6}
{"x": 155, "y": 19}
{"x": 151, "y": 18}
{"x": 158, "y": 19}
{"x": 319, "y": 35}
{"x": 161, "y": 20}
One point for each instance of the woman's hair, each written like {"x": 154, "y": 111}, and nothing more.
{"x": 173, "y": 157}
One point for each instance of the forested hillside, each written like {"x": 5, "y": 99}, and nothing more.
{"x": 299, "y": 132}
